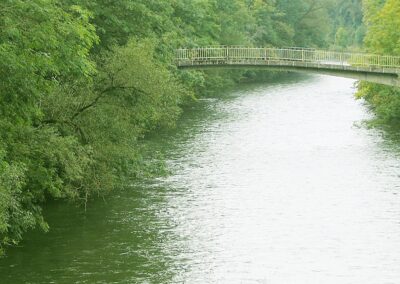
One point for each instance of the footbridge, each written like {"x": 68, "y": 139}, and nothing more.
{"x": 373, "y": 68}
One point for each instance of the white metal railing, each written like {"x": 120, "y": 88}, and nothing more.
{"x": 232, "y": 55}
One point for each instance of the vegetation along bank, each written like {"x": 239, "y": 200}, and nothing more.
{"x": 84, "y": 81}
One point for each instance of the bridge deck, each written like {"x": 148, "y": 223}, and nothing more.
{"x": 288, "y": 58}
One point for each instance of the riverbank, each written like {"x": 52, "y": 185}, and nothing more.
{"x": 277, "y": 183}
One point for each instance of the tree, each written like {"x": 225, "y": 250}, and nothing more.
{"x": 383, "y": 34}
{"x": 382, "y": 19}
{"x": 308, "y": 19}
{"x": 37, "y": 55}
{"x": 348, "y": 29}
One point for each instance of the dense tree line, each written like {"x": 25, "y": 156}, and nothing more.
{"x": 348, "y": 30}
{"x": 83, "y": 81}
{"x": 382, "y": 20}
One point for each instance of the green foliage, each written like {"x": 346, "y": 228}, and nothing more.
{"x": 383, "y": 34}
{"x": 45, "y": 50}
{"x": 117, "y": 21}
{"x": 133, "y": 95}
{"x": 348, "y": 30}
{"x": 385, "y": 102}
{"x": 269, "y": 26}
{"x": 48, "y": 47}
{"x": 382, "y": 19}
{"x": 309, "y": 20}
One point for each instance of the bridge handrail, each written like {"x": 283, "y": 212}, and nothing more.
{"x": 221, "y": 55}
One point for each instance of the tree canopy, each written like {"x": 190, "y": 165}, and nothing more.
{"x": 382, "y": 19}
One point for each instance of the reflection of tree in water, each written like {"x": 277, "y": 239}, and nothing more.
{"x": 121, "y": 239}
{"x": 391, "y": 138}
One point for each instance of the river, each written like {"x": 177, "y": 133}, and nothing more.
{"x": 274, "y": 183}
